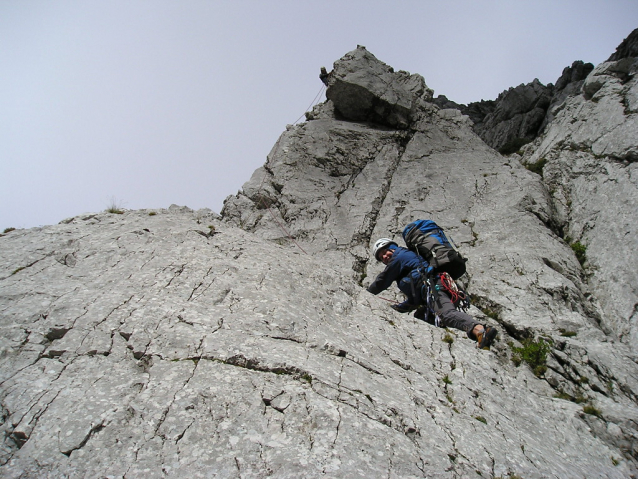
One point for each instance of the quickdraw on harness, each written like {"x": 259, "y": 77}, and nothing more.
{"x": 457, "y": 295}
{"x": 431, "y": 286}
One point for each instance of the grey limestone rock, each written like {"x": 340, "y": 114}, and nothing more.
{"x": 364, "y": 89}
{"x": 520, "y": 114}
{"x": 589, "y": 155}
{"x": 346, "y": 184}
{"x": 178, "y": 343}
{"x": 627, "y": 49}
{"x": 173, "y": 349}
{"x": 517, "y": 117}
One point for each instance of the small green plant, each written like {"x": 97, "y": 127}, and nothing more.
{"x": 490, "y": 313}
{"x": 534, "y": 353}
{"x": 15, "y": 271}
{"x": 114, "y": 207}
{"x": 481, "y": 419}
{"x": 537, "y": 167}
{"x": 583, "y": 380}
{"x": 306, "y": 377}
{"x": 8, "y": 230}
{"x": 448, "y": 338}
{"x": 614, "y": 461}
{"x": 563, "y": 395}
{"x": 566, "y": 333}
{"x": 447, "y": 380}
{"x": 152, "y": 213}
{"x": 589, "y": 409}
{"x": 580, "y": 251}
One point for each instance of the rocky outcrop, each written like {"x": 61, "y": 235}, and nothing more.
{"x": 520, "y": 114}
{"x": 365, "y": 89}
{"x": 517, "y": 117}
{"x": 588, "y": 156}
{"x": 357, "y": 182}
{"x": 569, "y": 84}
{"x": 175, "y": 343}
{"x": 627, "y": 49}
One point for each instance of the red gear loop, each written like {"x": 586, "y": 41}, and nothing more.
{"x": 450, "y": 287}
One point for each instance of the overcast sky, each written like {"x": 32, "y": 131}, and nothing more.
{"x": 150, "y": 103}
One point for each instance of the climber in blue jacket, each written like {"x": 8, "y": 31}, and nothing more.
{"x": 402, "y": 266}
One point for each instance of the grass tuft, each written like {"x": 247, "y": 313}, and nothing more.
{"x": 534, "y": 353}
{"x": 566, "y": 333}
{"x": 580, "y": 250}
{"x": 589, "y": 409}
{"x": 114, "y": 207}
{"x": 537, "y": 167}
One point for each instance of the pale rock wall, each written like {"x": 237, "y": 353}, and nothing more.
{"x": 155, "y": 346}
{"x": 176, "y": 344}
{"x": 590, "y": 152}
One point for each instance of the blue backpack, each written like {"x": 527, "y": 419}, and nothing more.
{"x": 428, "y": 240}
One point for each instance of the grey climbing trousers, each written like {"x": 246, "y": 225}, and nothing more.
{"x": 449, "y": 316}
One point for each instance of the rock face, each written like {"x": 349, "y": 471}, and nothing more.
{"x": 627, "y": 49}
{"x": 182, "y": 344}
{"x": 517, "y": 117}
{"x": 520, "y": 114}
{"x": 358, "y": 86}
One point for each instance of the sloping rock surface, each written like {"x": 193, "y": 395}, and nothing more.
{"x": 175, "y": 343}
{"x": 588, "y": 162}
{"x": 155, "y": 346}
{"x": 333, "y": 187}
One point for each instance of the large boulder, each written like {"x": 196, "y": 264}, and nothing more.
{"x": 365, "y": 89}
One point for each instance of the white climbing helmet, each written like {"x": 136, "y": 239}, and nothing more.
{"x": 380, "y": 244}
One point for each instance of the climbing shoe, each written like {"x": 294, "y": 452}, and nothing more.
{"x": 485, "y": 338}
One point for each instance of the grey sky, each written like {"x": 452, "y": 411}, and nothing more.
{"x": 157, "y": 102}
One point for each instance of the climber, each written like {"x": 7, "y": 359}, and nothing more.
{"x": 324, "y": 75}
{"x": 402, "y": 266}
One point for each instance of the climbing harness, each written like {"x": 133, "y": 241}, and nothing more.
{"x": 457, "y": 295}
{"x": 432, "y": 285}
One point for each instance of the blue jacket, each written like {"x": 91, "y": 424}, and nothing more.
{"x": 403, "y": 268}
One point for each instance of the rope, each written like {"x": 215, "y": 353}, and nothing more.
{"x": 388, "y": 300}
{"x": 313, "y": 103}
{"x": 281, "y": 226}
